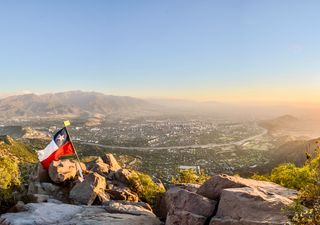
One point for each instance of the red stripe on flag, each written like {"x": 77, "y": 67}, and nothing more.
{"x": 65, "y": 149}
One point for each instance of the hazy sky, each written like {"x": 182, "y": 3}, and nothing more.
{"x": 206, "y": 50}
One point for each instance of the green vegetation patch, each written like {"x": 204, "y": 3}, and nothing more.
{"x": 147, "y": 190}
{"x": 306, "y": 179}
{"x": 189, "y": 176}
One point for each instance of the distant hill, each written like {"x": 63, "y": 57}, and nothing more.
{"x": 295, "y": 151}
{"x": 75, "y": 103}
{"x": 278, "y": 124}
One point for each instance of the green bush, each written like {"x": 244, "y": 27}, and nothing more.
{"x": 305, "y": 216}
{"x": 9, "y": 182}
{"x": 9, "y": 173}
{"x": 306, "y": 179}
{"x": 189, "y": 176}
{"x": 290, "y": 176}
{"x": 147, "y": 190}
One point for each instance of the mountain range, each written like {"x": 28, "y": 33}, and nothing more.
{"x": 75, "y": 103}
{"x": 94, "y": 104}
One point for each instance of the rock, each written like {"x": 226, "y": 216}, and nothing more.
{"x": 35, "y": 188}
{"x": 251, "y": 206}
{"x": 43, "y": 188}
{"x": 40, "y": 213}
{"x": 178, "y": 217}
{"x": 39, "y": 174}
{"x": 98, "y": 166}
{"x": 52, "y": 190}
{"x": 62, "y": 170}
{"x": 159, "y": 183}
{"x": 65, "y": 214}
{"x": 188, "y": 187}
{"x": 220, "y": 221}
{"x": 123, "y": 176}
{"x": 180, "y": 199}
{"x": 127, "y": 208}
{"x": 93, "y": 186}
{"x": 111, "y": 161}
{"x": 122, "y": 193}
{"x": 213, "y": 187}
{"x": 37, "y": 198}
{"x": 19, "y": 207}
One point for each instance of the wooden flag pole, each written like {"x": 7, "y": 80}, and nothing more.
{"x": 66, "y": 124}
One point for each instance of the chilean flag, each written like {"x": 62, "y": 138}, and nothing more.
{"x": 60, "y": 145}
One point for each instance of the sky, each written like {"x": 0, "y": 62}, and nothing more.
{"x": 227, "y": 50}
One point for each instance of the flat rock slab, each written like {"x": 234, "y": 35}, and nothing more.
{"x": 252, "y": 204}
{"x": 213, "y": 187}
{"x": 66, "y": 214}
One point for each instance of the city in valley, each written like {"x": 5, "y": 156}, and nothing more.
{"x": 161, "y": 146}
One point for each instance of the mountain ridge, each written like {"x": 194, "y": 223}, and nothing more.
{"x": 77, "y": 103}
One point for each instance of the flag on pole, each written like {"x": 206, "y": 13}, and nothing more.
{"x": 60, "y": 145}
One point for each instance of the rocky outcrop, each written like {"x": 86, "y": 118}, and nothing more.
{"x": 228, "y": 200}
{"x": 214, "y": 186}
{"x": 113, "y": 196}
{"x": 251, "y": 206}
{"x": 93, "y": 186}
{"x": 65, "y": 214}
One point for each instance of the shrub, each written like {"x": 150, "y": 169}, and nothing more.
{"x": 9, "y": 181}
{"x": 305, "y": 216}
{"x": 9, "y": 173}
{"x": 189, "y": 176}
{"x": 290, "y": 176}
{"x": 306, "y": 179}
{"x": 147, "y": 190}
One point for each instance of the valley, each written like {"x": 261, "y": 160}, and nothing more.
{"x": 160, "y": 146}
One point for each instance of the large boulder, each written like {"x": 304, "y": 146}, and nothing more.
{"x": 180, "y": 199}
{"x": 86, "y": 192}
{"x": 111, "y": 161}
{"x": 213, "y": 187}
{"x": 98, "y": 166}
{"x": 179, "y": 203}
{"x": 65, "y": 214}
{"x": 251, "y": 206}
{"x": 62, "y": 170}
